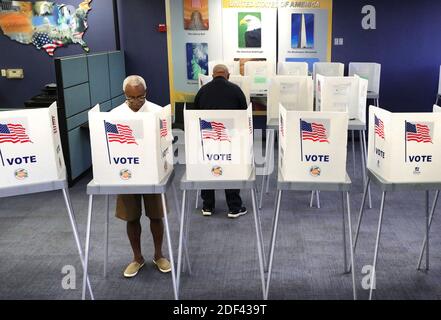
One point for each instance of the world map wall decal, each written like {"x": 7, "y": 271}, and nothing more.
{"x": 45, "y": 24}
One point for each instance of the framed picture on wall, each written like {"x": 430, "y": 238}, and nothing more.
{"x": 197, "y": 60}
{"x": 302, "y": 31}
{"x": 250, "y": 29}
{"x": 196, "y": 15}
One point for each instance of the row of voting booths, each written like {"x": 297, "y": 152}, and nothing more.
{"x": 133, "y": 153}
{"x": 260, "y": 73}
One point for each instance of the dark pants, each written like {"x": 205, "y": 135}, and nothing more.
{"x": 233, "y": 199}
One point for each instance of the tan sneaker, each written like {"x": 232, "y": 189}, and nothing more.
{"x": 132, "y": 269}
{"x": 163, "y": 265}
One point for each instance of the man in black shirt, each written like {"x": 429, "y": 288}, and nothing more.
{"x": 220, "y": 94}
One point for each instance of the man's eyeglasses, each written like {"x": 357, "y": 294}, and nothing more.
{"x": 140, "y": 98}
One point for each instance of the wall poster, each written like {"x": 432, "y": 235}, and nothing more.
{"x": 305, "y": 31}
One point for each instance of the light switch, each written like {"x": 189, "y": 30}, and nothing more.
{"x": 338, "y": 41}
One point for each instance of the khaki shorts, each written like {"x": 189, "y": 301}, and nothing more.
{"x": 128, "y": 206}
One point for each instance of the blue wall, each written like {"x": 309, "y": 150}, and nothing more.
{"x": 407, "y": 43}
{"x": 39, "y": 67}
{"x": 144, "y": 46}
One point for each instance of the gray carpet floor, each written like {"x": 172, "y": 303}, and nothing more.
{"x": 36, "y": 242}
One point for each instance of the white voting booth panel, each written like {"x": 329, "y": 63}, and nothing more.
{"x": 405, "y": 147}
{"x": 203, "y": 80}
{"x": 131, "y": 148}
{"x": 312, "y": 146}
{"x": 244, "y": 82}
{"x": 218, "y": 144}
{"x": 260, "y": 73}
{"x": 233, "y": 66}
{"x": 328, "y": 69}
{"x": 294, "y": 92}
{"x": 368, "y": 71}
{"x": 292, "y": 68}
{"x": 30, "y": 147}
{"x": 343, "y": 94}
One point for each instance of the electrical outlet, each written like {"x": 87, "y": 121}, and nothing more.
{"x": 14, "y": 74}
{"x": 3, "y": 72}
{"x": 338, "y": 41}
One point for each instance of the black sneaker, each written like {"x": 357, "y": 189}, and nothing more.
{"x": 237, "y": 213}
{"x": 207, "y": 212}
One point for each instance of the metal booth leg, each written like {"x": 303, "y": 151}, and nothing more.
{"x": 106, "y": 234}
{"x": 365, "y": 161}
{"x": 178, "y": 212}
{"x": 311, "y": 202}
{"x": 262, "y": 244}
{"x": 360, "y": 214}
{"x": 348, "y": 207}
{"x": 377, "y": 244}
{"x": 432, "y": 212}
{"x": 169, "y": 244}
{"x": 86, "y": 257}
{"x": 353, "y": 150}
{"x": 259, "y": 242}
{"x": 345, "y": 258}
{"x": 181, "y": 240}
{"x": 75, "y": 232}
{"x": 273, "y": 239}
{"x": 197, "y": 199}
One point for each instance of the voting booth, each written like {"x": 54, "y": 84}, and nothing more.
{"x": 312, "y": 146}
{"x": 368, "y": 71}
{"x": 260, "y": 73}
{"x": 233, "y": 66}
{"x": 343, "y": 94}
{"x": 218, "y": 144}
{"x": 295, "y": 93}
{"x": 292, "y": 68}
{"x": 405, "y": 147}
{"x": 328, "y": 69}
{"x": 30, "y": 147}
{"x": 133, "y": 148}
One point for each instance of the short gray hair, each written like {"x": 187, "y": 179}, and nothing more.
{"x": 221, "y": 68}
{"x": 134, "y": 81}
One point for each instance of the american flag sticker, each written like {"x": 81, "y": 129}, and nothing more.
{"x": 314, "y": 131}
{"x": 13, "y": 133}
{"x": 214, "y": 130}
{"x": 119, "y": 133}
{"x": 163, "y": 131}
{"x": 418, "y": 132}
{"x": 379, "y": 127}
